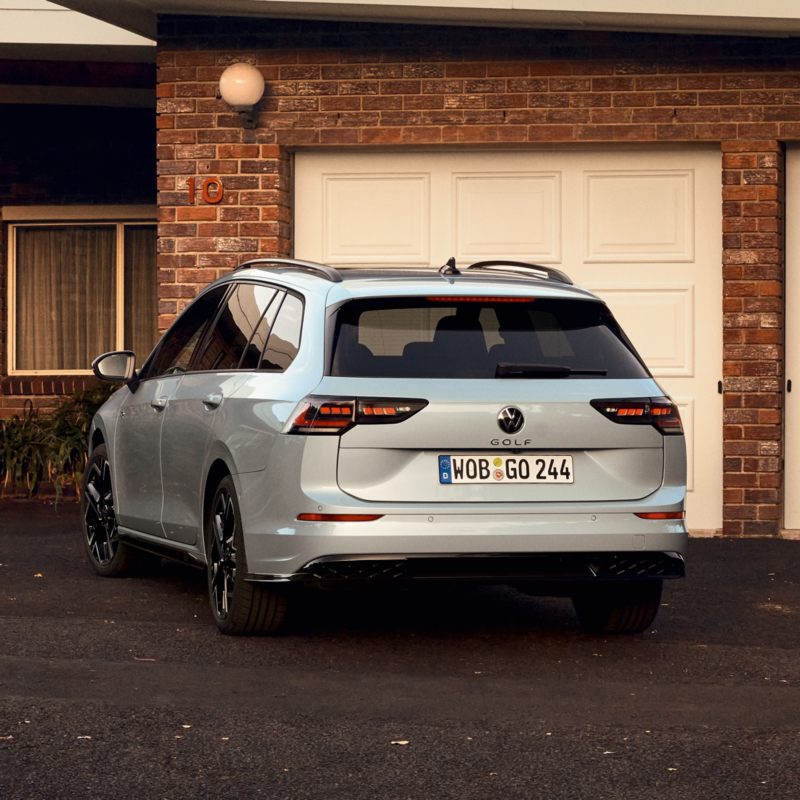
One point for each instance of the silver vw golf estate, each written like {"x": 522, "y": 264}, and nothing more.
{"x": 300, "y": 424}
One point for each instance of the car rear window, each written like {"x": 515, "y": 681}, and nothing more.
{"x": 429, "y": 338}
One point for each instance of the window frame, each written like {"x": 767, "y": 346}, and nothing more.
{"x": 280, "y": 295}
{"x": 206, "y": 327}
{"x": 281, "y": 290}
{"x": 285, "y": 291}
{"x": 69, "y": 216}
{"x": 230, "y": 286}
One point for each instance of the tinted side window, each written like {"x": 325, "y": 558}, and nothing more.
{"x": 178, "y": 345}
{"x": 234, "y": 327}
{"x": 255, "y": 347}
{"x": 284, "y": 340}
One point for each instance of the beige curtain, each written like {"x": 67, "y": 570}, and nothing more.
{"x": 141, "y": 296}
{"x": 65, "y": 296}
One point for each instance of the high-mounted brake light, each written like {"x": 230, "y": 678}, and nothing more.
{"x": 335, "y": 415}
{"x": 339, "y": 517}
{"x": 451, "y": 299}
{"x": 662, "y": 515}
{"x": 660, "y": 412}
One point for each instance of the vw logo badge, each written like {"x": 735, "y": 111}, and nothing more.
{"x": 510, "y": 420}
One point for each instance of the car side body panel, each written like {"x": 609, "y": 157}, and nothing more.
{"x": 137, "y": 454}
{"x": 190, "y": 417}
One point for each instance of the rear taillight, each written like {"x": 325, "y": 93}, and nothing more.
{"x": 661, "y": 515}
{"x": 377, "y": 412}
{"x": 337, "y": 414}
{"x": 322, "y": 416}
{"x": 660, "y": 412}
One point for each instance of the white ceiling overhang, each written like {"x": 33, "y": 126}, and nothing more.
{"x": 731, "y": 17}
{"x": 38, "y": 30}
{"x": 39, "y": 22}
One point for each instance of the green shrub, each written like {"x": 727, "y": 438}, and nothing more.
{"x": 50, "y": 446}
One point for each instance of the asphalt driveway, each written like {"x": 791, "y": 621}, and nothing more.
{"x": 123, "y": 687}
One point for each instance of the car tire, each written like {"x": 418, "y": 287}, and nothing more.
{"x": 109, "y": 556}
{"x": 239, "y": 608}
{"x": 618, "y": 607}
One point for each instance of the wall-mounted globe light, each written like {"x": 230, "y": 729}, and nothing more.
{"x": 241, "y": 87}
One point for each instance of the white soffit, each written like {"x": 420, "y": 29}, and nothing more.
{"x": 742, "y": 17}
{"x": 41, "y": 22}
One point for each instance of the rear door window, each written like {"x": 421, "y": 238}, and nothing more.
{"x": 428, "y": 338}
{"x": 240, "y": 317}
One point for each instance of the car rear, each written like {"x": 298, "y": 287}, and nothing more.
{"x": 478, "y": 429}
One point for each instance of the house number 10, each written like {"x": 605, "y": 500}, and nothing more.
{"x": 208, "y": 185}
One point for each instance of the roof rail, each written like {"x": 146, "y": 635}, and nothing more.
{"x": 544, "y": 272}
{"x": 321, "y": 270}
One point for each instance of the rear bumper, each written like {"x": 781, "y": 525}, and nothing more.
{"x": 496, "y": 567}
{"x": 288, "y": 551}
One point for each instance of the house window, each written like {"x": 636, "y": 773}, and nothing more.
{"x": 79, "y": 289}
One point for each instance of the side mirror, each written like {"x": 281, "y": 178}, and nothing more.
{"x": 117, "y": 366}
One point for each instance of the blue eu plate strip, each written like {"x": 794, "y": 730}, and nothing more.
{"x": 445, "y": 473}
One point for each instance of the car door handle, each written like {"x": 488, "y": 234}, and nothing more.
{"x": 212, "y": 400}
{"x": 159, "y": 403}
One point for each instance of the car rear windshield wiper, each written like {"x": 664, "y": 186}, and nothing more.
{"x": 542, "y": 371}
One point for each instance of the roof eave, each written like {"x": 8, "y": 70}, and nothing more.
{"x": 142, "y": 17}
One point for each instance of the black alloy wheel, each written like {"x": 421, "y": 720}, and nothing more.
{"x": 239, "y": 607}
{"x": 107, "y": 554}
{"x": 222, "y": 555}
{"x": 101, "y": 522}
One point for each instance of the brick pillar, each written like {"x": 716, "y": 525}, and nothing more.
{"x": 753, "y": 277}
{"x": 199, "y": 137}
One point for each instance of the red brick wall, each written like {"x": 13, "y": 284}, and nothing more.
{"x": 349, "y": 85}
{"x": 198, "y": 242}
{"x": 753, "y": 174}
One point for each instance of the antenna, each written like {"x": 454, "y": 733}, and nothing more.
{"x": 450, "y": 267}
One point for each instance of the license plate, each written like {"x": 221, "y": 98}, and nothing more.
{"x": 505, "y": 469}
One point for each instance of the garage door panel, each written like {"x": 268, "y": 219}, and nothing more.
{"x": 513, "y": 216}
{"x": 659, "y": 320}
{"x": 640, "y": 216}
{"x": 376, "y": 219}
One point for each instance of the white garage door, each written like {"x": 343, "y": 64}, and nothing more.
{"x": 640, "y": 228}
